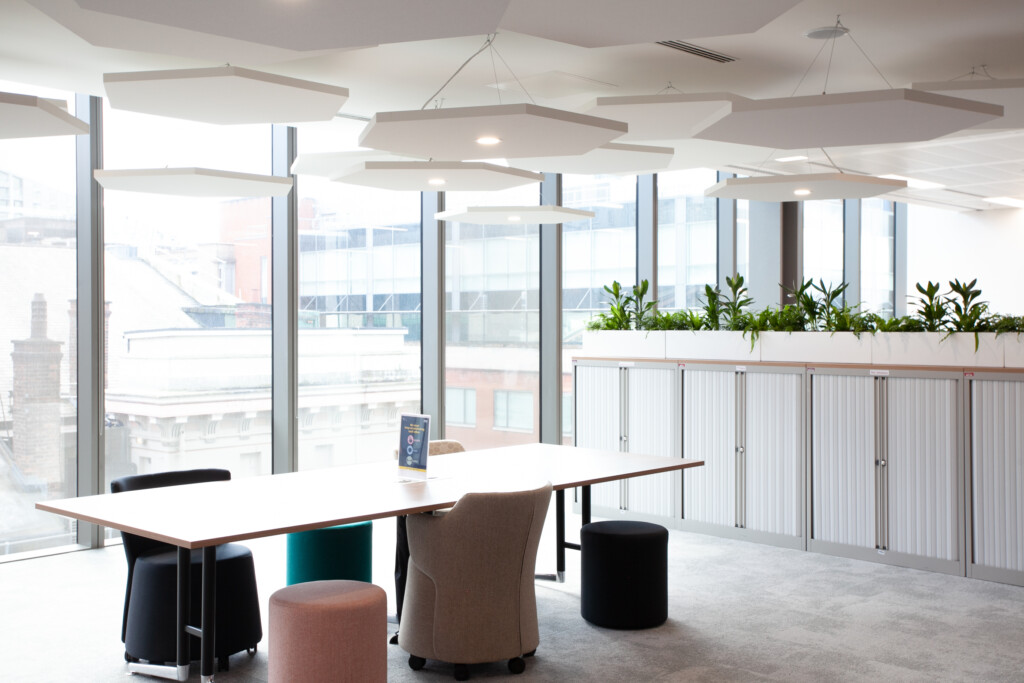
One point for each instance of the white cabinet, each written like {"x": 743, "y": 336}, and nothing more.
{"x": 885, "y": 467}
{"x": 996, "y": 475}
{"x": 746, "y": 423}
{"x": 635, "y": 408}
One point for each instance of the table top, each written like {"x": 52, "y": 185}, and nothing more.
{"x": 199, "y": 515}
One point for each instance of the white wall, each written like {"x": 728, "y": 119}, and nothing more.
{"x": 988, "y": 245}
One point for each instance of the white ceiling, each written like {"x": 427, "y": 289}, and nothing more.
{"x": 907, "y": 41}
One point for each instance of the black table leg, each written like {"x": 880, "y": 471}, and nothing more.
{"x": 586, "y": 505}
{"x": 559, "y": 540}
{"x": 560, "y": 533}
{"x": 179, "y": 671}
{"x": 184, "y": 600}
{"x": 209, "y": 624}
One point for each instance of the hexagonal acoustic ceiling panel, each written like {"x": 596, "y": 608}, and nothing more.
{"x": 514, "y": 215}
{"x": 224, "y": 95}
{"x": 26, "y": 116}
{"x": 612, "y": 158}
{"x": 855, "y": 118}
{"x": 605, "y": 23}
{"x": 489, "y": 132}
{"x": 1006, "y": 92}
{"x": 667, "y": 116}
{"x": 788, "y": 188}
{"x": 436, "y": 175}
{"x": 193, "y": 182}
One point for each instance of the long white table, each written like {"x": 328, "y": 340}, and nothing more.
{"x": 207, "y": 515}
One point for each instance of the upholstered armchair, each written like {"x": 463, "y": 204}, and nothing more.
{"x": 470, "y": 596}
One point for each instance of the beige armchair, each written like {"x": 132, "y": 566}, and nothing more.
{"x": 470, "y": 596}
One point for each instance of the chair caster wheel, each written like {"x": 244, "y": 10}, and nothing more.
{"x": 251, "y": 651}
{"x": 461, "y": 672}
{"x": 416, "y": 663}
{"x": 516, "y": 665}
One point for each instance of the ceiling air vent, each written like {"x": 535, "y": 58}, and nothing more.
{"x": 698, "y": 51}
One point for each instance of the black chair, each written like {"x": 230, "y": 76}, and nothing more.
{"x": 149, "y": 625}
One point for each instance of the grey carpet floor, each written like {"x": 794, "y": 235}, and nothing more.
{"x": 737, "y": 612}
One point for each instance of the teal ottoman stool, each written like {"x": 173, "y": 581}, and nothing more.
{"x": 336, "y": 552}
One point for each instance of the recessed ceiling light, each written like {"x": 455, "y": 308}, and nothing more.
{"x": 913, "y": 183}
{"x": 1007, "y": 201}
{"x": 436, "y": 181}
{"x": 801, "y": 192}
{"x": 795, "y": 157}
{"x": 487, "y": 140}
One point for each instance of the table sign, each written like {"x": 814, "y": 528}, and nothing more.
{"x": 414, "y": 438}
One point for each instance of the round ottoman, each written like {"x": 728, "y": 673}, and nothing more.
{"x": 328, "y": 632}
{"x": 624, "y": 574}
{"x": 336, "y": 552}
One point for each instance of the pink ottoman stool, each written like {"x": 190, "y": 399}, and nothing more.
{"x": 329, "y": 632}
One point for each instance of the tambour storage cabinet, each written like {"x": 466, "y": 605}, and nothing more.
{"x": 995, "y": 475}
{"x": 886, "y": 462}
{"x": 919, "y": 466}
{"x": 746, "y": 423}
{"x": 633, "y": 407}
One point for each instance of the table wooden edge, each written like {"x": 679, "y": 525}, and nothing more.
{"x": 670, "y": 465}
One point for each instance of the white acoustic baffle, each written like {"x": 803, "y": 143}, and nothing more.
{"x": 922, "y": 467}
{"x": 709, "y": 434}
{"x": 598, "y": 421}
{"x": 842, "y": 460}
{"x": 773, "y": 429}
{"x": 997, "y": 474}
{"x": 654, "y": 410}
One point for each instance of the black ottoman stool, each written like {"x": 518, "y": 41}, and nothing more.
{"x": 624, "y": 574}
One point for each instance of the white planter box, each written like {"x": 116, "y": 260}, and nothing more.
{"x": 936, "y": 348}
{"x": 696, "y": 345}
{"x": 815, "y": 347}
{"x": 1013, "y": 350}
{"x": 624, "y": 344}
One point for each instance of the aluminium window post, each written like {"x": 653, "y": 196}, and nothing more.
{"x": 284, "y": 307}
{"x": 647, "y": 232}
{"x": 432, "y": 311}
{"x": 90, "y": 311}
{"x": 725, "y": 212}
{"x": 851, "y": 251}
{"x": 551, "y": 316}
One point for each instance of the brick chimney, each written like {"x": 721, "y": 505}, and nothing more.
{"x": 36, "y": 406}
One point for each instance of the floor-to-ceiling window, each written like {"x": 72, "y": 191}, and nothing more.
{"x": 187, "y": 293}
{"x": 743, "y": 237}
{"x": 38, "y": 392}
{"x": 823, "y": 241}
{"x": 359, "y": 313}
{"x": 595, "y": 252}
{"x": 877, "y": 255}
{"x": 492, "y": 323}
{"x": 687, "y": 238}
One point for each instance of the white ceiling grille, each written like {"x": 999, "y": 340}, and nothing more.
{"x": 697, "y": 50}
